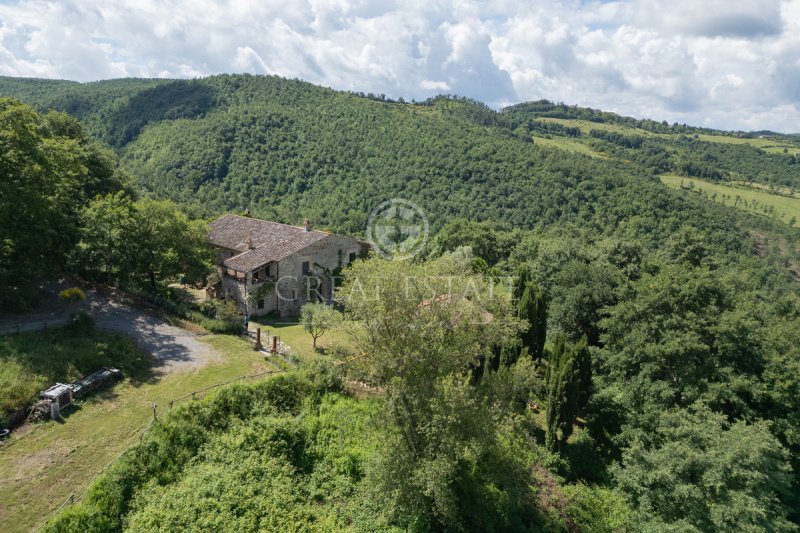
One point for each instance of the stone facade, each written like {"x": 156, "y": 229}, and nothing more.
{"x": 284, "y": 286}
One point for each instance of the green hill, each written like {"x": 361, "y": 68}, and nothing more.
{"x": 668, "y": 321}
{"x": 288, "y": 149}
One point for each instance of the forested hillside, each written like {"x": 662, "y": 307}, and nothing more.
{"x": 288, "y": 150}
{"x": 66, "y": 207}
{"x": 643, "y": 377}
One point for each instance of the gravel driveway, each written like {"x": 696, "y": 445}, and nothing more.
{"x": 174, "y": 349}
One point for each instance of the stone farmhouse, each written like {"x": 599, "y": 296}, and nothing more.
{"x": 271, "y": 267}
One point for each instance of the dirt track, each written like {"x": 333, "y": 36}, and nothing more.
{"x": 174, "y": 349}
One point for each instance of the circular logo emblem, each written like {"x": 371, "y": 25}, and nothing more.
{"x": 397, "y": 229}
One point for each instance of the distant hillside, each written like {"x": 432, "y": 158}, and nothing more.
{"x": 287, "y": 149}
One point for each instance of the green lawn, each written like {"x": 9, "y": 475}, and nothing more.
{"x": 42, "y": 463}
{"x": 786, "y": 208}
{"x": 292, "y": 333}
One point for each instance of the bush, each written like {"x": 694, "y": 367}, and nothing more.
{"x": 167, "y": 450}
{"x": 221, "y": 317}
{"x": 225, "y": 327}
{"x": 597, "y": 509}
{"x": 72, "y": 295}
{"x": 323, "y": 375}
{"x": 82, "y": 324}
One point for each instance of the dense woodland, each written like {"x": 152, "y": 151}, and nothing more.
{"x": 642, "y": 375}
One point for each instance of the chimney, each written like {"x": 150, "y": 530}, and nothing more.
{"x": 249, "y": 243}
{"x": 306, "y": 225}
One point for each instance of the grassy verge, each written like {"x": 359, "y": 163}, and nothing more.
{"x": 43, "y": 463}
{"x": 749, "y": 199}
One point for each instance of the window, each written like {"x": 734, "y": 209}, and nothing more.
{"x": 294, "y": 295}
{"x": 266, "y": 271}
{"x": 261, "y": 303}
{"x": 256, "y": 276}
{"x": 306, "y": 268}
{"x": 353, "y": 256}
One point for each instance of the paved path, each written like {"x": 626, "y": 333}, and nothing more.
{"x": 174, "y": 349}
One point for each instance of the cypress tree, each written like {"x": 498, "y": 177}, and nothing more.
{"x": 568, "y": 386}
{"x": 533, "y": 308}
{"x": 524, "y": 278}
{"x": 555, "y": 391}
{"x": 583, "y": 371}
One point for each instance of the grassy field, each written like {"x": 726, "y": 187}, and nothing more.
{"x": 587, "y": 125}
{"x": 30, "y": 362}
{"x": 780, "y": 191}
{"x": 569, "y": 145}
{"x": 768, "y": 145}
{"x": 773, "y": 146}
{"x": 43, "y": 463}
{"x": 785, "y": 208}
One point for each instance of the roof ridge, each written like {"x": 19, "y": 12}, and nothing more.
{"x": 274, "y": 222}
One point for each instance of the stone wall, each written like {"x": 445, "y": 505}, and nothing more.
{"x": 292, "y": 288}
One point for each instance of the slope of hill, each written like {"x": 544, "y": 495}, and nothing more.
{"x": 288, "y": 149}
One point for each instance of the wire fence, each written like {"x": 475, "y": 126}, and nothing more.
{"x": 192, "y": 396}
{"x": 72, "y": 499}
{"x": 202, "y": 393}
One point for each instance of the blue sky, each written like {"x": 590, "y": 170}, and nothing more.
{"x": 730, "y": 64}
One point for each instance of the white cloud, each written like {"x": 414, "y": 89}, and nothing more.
{"x": 433, "y": 85}
{"x": 721, "y": 63}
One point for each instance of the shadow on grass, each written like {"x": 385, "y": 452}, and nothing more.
{"x": 275, "y": 322}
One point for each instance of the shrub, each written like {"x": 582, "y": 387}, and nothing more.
{"x": 219, "y": 317}
{"x": 323, "y": 375}
{"x": 164, "y": 453}
{"x": 285, "y": 392}
{"x": 82, "y": 324}
{"x": 219, "y": 326}
{"x": 72, "y": 295}
{"x": 597, "y": 509}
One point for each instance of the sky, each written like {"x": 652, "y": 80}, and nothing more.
{"x": 728, "y": 64}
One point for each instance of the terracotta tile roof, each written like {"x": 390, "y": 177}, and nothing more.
{"x": 259, "y": 241}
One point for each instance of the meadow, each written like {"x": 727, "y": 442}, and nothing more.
{"x": 750, "y": 199}
{"x": 568, "y": 145}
